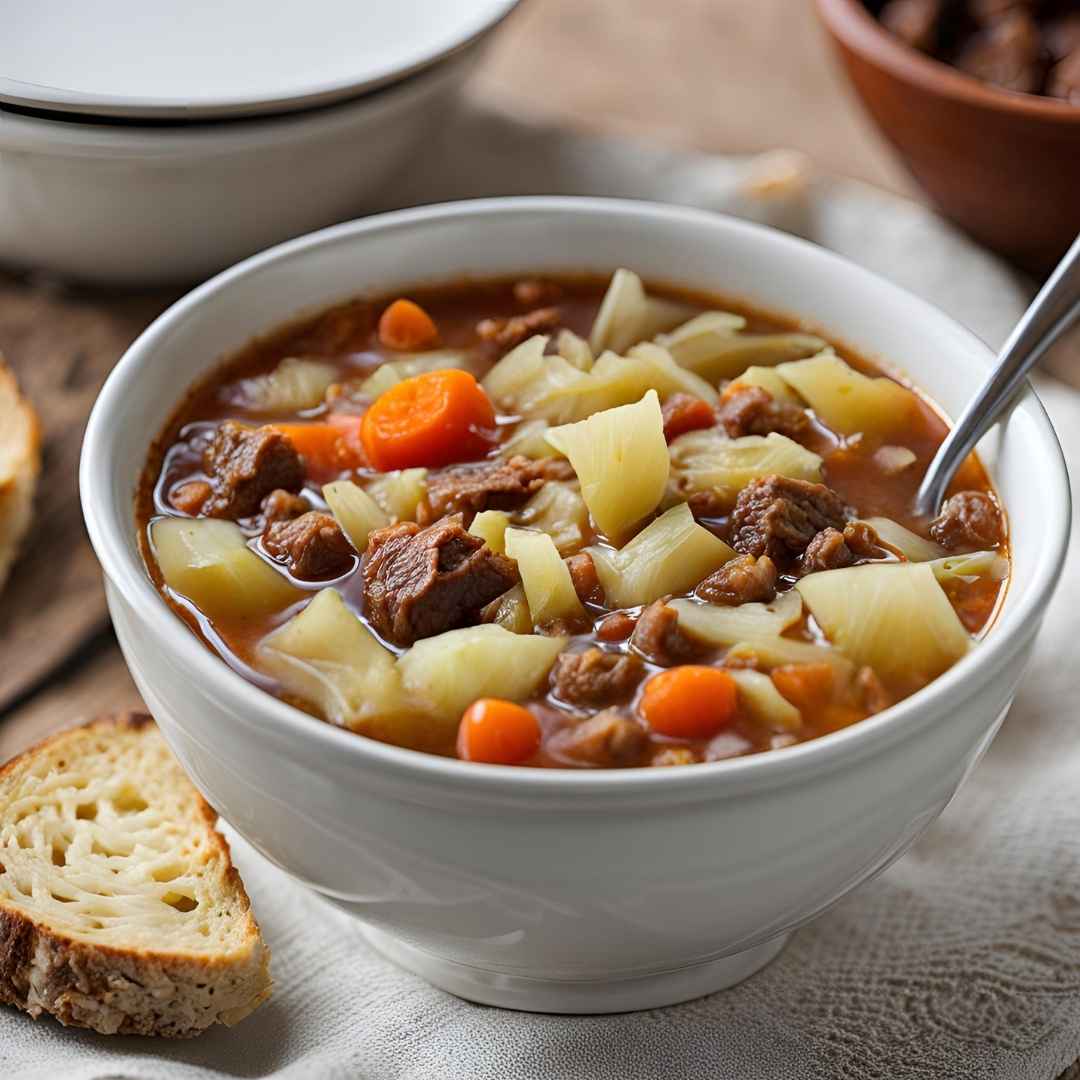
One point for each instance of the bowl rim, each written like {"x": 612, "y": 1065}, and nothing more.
{"x": 66, "y": 134}
{"x": 108, "y": 526}
{"x": 852, "y": 24}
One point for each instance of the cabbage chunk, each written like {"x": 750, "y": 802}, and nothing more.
{"x": 621, "y": 458}
{"x": 720, "y": 625}
{"x": 490, "y": 526}
{"x": 399, "y": 493}
{"x": 768, "y": 380}
{"x": 558, "y": 510}
{"x": 355, "y": 511}
{"x": 893, "y": 616}
{"x": 526, "y": 381}
{"x": 549, "y": 589}
{"x": 450, "y": 671}
{"x": 207, "y": 561}
{"x": 759, "y": 696}
{"x": 913, "y": 547}
{"x": 627, "y": 315}
{"x": 973, "y": 565}
{"x": 326, "y": 657}
{"x": 391, "y": 372}
{"x": 511, "y": 611}
{"x": 530, "y": 440}
{"x": 846, "y": 400}
{"x": 719, "y": 353}
{"x": 709, "y": 461}
{"x": 294, "y": 385}
{"x": 670, "y": 555}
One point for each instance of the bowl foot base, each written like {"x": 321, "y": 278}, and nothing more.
{"x": 573, "y": 996}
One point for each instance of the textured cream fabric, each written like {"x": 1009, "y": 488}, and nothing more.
{"x": 961, "y": 962}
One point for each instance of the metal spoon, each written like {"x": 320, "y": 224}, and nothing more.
{"x": 1051, "y": 313}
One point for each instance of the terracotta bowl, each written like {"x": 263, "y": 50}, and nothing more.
{"x": 1004, "y": 166}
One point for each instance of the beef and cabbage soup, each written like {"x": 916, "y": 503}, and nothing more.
{"x": 568, "y": 522}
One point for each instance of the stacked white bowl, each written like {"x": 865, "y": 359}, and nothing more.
{"x": 142, "y": 144}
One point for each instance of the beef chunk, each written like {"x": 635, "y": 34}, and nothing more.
{"x": 511, "y": 331}
{"x": 419, "y": 582}
{"x": 190, "y": 496}
{"x": 752, "y": 410}
{"x": 745, "y": 580}
{"x": 1062, "y": 36}
{"x": 488, "y": 485}
{"x": 683, "y": 413}
{"x": 595, "y": 677}
{"x": 658, "y": 638}
{"x": 969, "y": 521}
{"x": 827, "y": 551}
{"x": 915, "y": 22}
{"x": 708, "y": 504}
{"x": 832, "y": 549}
{"x": 583, "y": 574}
{"x": 988, "y": 12}
{"x": 617, "y": 626}
{"x": 282, "y": 505}
{"x": 245, "y": 465}
{"x": 1007, "y": 53}
{"x": 778, "y": 516}
{"x": 312, "y": 545}
{"x": 607, "y": 739}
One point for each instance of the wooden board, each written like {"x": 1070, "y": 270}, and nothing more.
{"x": 61, "y": 345}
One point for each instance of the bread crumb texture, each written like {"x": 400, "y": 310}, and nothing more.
{"x": 120, "y": 909}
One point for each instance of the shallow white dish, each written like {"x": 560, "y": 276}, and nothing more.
{"x": 545, "y": 889}
{"x": 230, "y": 58}
{"x": 121, "y": 204}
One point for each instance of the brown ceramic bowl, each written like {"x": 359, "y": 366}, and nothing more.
{"x": 1004, "y": 166}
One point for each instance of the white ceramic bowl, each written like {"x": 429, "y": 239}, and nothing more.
{"x": 557, "y": 890}
{"x": 123, "y": 204}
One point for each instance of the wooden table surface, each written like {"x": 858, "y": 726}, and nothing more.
{"x": 708, "y": 74}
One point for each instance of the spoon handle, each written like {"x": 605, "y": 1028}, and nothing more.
{"x": 1051, "y": 313}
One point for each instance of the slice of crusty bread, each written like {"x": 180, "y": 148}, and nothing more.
{"x": 120, "y": 909}
{"x": 20, "y": 463}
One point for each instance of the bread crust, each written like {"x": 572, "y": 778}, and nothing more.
{"x": 138, "y": 991}
{"x": 20, "y": 466}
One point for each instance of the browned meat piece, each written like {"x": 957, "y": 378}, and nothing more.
{"x": 487, "y": 485}
{"x": 419, "y": 582}
{"x": 1064, "y": 80}
{"x": 751, "y": 410}
{"x": 658, "y": 638}
{"x": 915, "y": 22}
{"x": 282, "y": 505}
{"x": 778, "y": 516}
{"x": 875, "y": 698}
{"x": 189, "y": 497}
{"x": 832, "y": 549}
{"x": 744, "y": 580}
{"x": 969, "y": 521}
{"x": 683, "y": 413}
{"x": 595, "y": 677}
{"x": 1007, "y": 53}
{"x": 618, "y": 626}
{"x": 246, "y": 464}
{"x": 583, "y": 574}
{"x": 827, "y": 551}
{"x": 708, "y": 504}
{"x": 513, "y": 330}
{"x": 605, "y": 740}
{"x": 532, "y": 293}
{"x": 312, "y": 546}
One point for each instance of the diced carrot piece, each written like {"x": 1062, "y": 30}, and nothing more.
{"x": 683, "y": 413}
{"x": 327, "y": 446}
{"x": 406, "y": 326}
{"x": 498, "y": 732}
{"x": 689, "y": 702}
{"x": 809, "y": 687}
{"x": 431, "y": 419}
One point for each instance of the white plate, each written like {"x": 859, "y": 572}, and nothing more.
{"x": 168, "y": 59}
